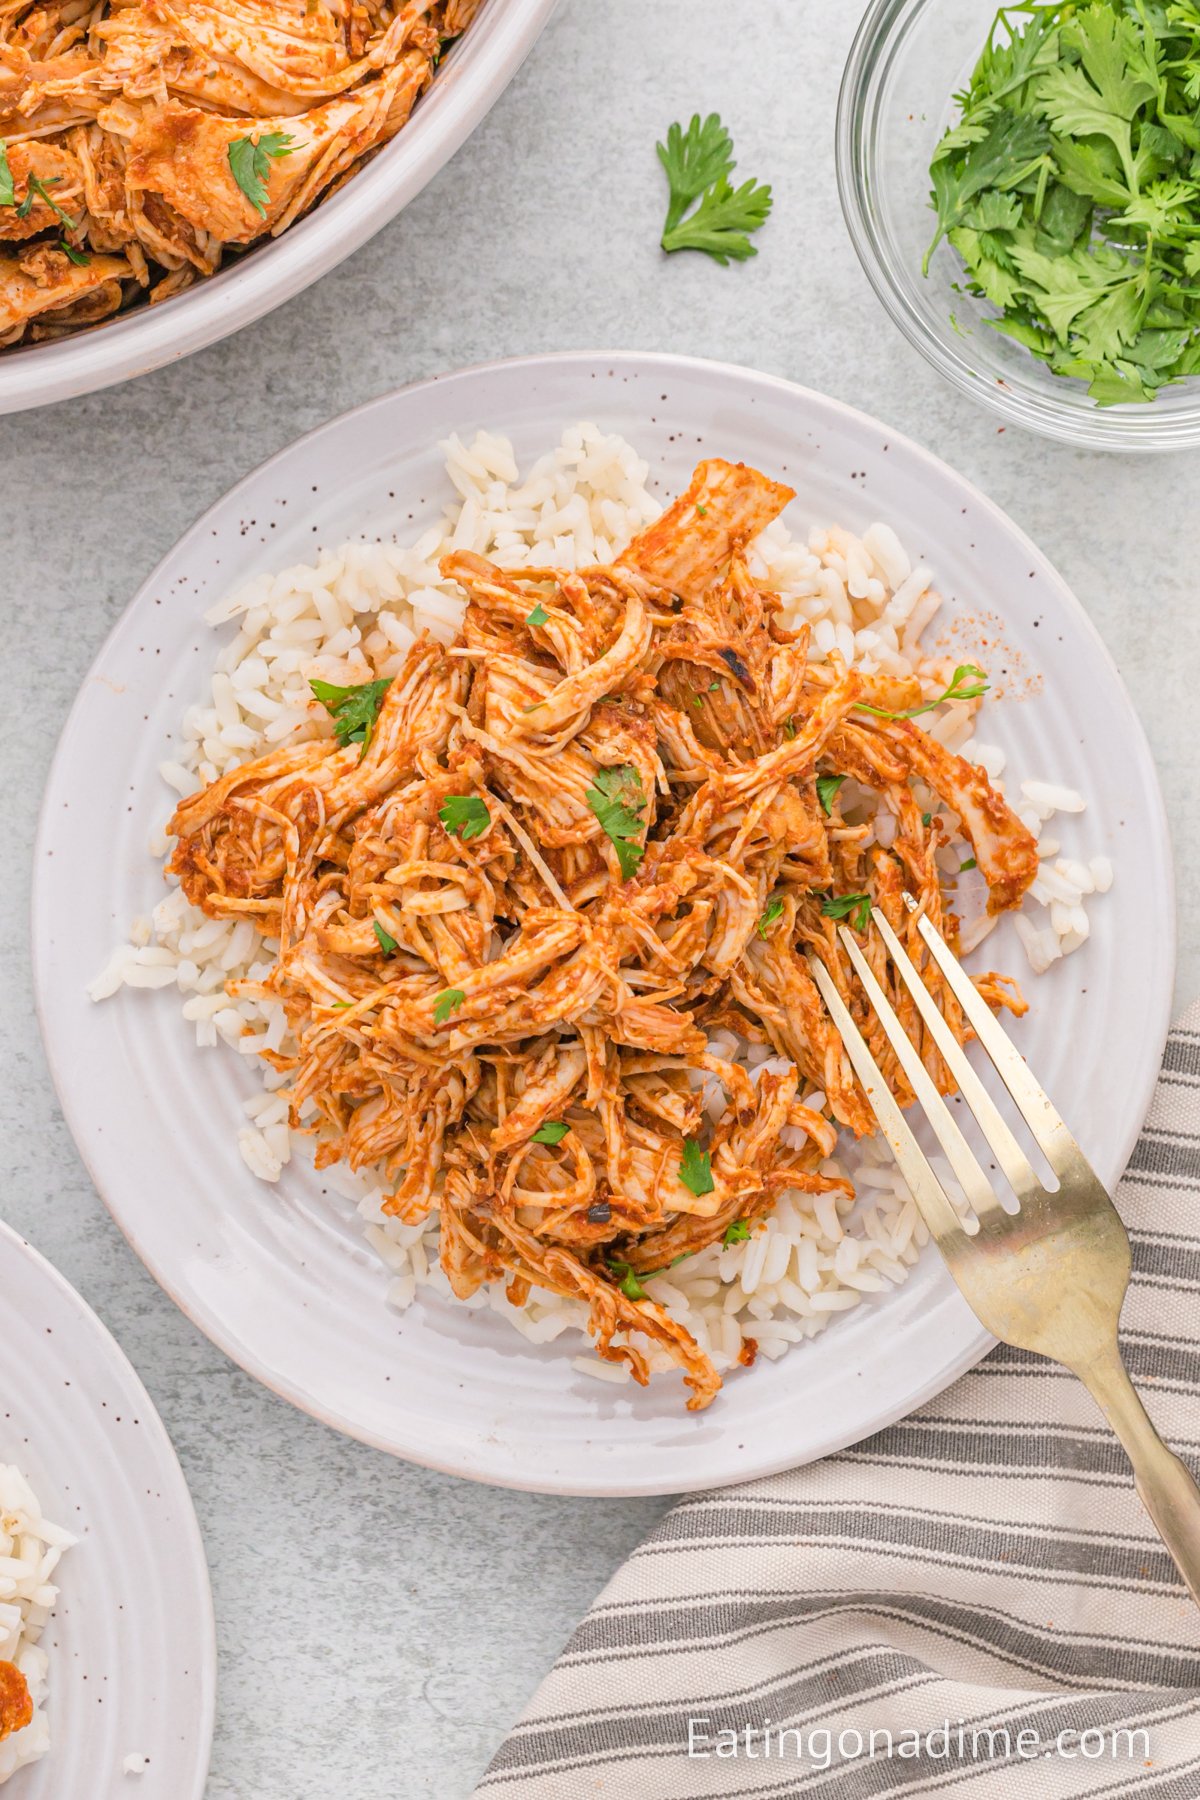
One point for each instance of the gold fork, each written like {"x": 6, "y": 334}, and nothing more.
{"x": 1050, "y": 1277}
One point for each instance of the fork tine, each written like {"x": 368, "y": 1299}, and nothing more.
{"x": 1060, "y": 1148}
{"x": 975, "y": 1184}
{"x": 1001, "y": 1142}
{"x": 932, "y": 1202}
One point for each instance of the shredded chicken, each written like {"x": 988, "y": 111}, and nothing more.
{"x": 117, "y": 118}
{"x": 573, "y": 846}
{"x": 16, "y": 1704}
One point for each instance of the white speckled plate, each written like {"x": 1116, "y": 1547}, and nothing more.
{"x": 131, "y": 1643}
{"x": 279, "y": 1277}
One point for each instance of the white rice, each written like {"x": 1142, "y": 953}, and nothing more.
{"x": 30, "y": 1548}
{"x": 351, "y": 617}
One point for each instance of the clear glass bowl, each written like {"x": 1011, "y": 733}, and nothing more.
{"x": 906, "y": 63}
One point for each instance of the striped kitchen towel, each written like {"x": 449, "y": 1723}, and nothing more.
{"x": 972, "y": 1598}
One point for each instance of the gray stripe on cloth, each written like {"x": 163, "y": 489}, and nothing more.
{"x": 1150, "y": 1357}
{"x": 977, "y": 1561}
{"x": 939, "y": 1537}
{"x": 1182, "y": 1055}
{"x": 1174, "y": 1157}
{"x": 728, "y": 1618}
{"x": 1037, "y": 1452}
{"x": 1175, "y": 1260}
{"x": 797, "y": 1693}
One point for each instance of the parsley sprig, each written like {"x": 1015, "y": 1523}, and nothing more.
{"x": 38, "y": 189}
{"x": 445, "y": 1003}
{"x": 250, "y": 162}
{"x": 1070, "y": 189}
{"x": 698, "y": 163}
{"x": 618, "y": 800}
{"x": 827, "y": 787}
{"x": 695, "y": 1169}
{"x": 967, "y": 683}
{"x": 626, "y": 1279}
{"x": 465, "y": 816}
{"x": 772, "y": 911}
{"x": 354, "y": 710}
{"x": 855, "y": 907}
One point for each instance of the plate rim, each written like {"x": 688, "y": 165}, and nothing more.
{"x": 197, "y": 1559}
{"x": 979, "y": 1342}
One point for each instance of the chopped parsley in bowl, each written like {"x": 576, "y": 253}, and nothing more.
{"x": 1023, "y": 191}
{"x": 1070, "y": 189}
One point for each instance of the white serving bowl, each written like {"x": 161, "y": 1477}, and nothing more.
{"x": 475, "y": 74}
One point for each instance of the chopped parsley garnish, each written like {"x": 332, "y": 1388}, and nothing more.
{"x": 970, "y": 863}
{"x": 698, "y": 163}
{"x": 250, "y": 164}
{"x": 618, "y": 801}
{"x": 465, "y": 816}
{"x": 539, "y": 615}
{"x": 1068, "y": 188}
{"x": 629, "y": 1283}
{"x": 445, "y": 1004}
{"x": 695, "y": 1171}
{"x": 552, "y": 1132}
{"x": 387, "y": 942}
{"x": 855, "y": 907}
{"x": 789, "y": 729}
{"x": 627, "y": 1280}
{"x": 967, "y": 683}
{"x": 737, "y": 1232}
{"x": 714, "y": 684}
{"x": 37, "y": 189}
{"x": 701, "y": 510}
{"x": 772, "y": 911}
{"x": 827, "y": 787}
{"x": 927, "y": 819}
{"x": 354, "y": 710}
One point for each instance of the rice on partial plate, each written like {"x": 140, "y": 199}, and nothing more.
{"x": 350, "y": 618}
{"x": 30, "y": 1548}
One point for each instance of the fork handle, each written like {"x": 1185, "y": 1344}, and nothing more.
{"x": 1164, "y": 1483}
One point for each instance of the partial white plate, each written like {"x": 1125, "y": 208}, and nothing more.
{"x": 133, "y": 1660}
{"x": 280, "y": 1278}
{"x": 475, "y": 74}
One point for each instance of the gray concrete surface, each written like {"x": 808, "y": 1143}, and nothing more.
{"x": 381, "y": 1626}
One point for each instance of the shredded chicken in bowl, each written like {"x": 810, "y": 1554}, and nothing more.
{"x": 524, "y": 882}
{"x": 142, "y": 142}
